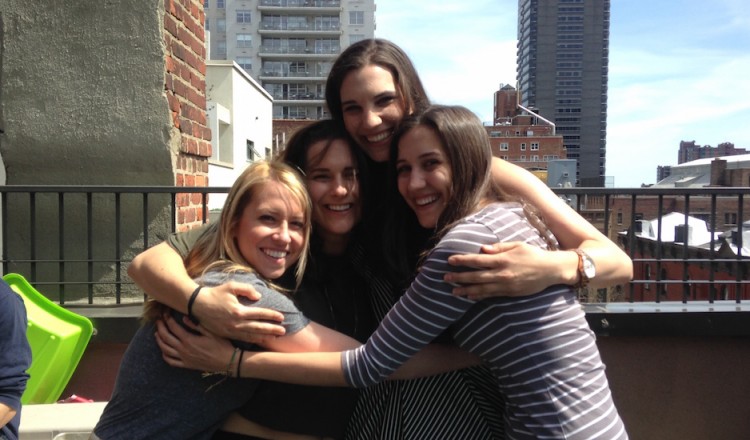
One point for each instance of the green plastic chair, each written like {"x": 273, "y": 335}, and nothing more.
{"x": 58, "y": 338}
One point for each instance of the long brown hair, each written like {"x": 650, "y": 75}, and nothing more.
{"x": 382, "y": 53}
{"x": 467, "y": 147}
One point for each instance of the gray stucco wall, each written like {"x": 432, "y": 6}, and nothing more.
{"x": 82, "y": 103}
{"x": 82, "y": 93}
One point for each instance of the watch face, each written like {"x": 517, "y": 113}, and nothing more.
{"x": 588, "y": 267}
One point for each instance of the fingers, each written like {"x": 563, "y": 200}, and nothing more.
{"x": 259, "y": 333}
{"x": 261, "y": 314}
{"x": 242, "y": 289}
{"x": 168, "y": 353}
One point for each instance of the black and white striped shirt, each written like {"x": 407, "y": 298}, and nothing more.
{"x": 540, "y": 348}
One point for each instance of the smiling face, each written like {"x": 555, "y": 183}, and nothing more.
{"x": 270, "y": 233}
{"x": 424, "y": 174}
{"x": 372, "y": 108}
{"x": 334, "y": 190}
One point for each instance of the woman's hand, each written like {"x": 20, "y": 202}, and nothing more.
{"x": 511, "y": 269}
{"x": 180, "y": 348}
{"x": 219, "y": 310}
{"x": 161, "y": 273}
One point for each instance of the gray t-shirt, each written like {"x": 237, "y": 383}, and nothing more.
{"x": 152, "y": 400}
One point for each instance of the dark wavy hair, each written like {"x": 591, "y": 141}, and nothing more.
{"x": 382, "y": 53}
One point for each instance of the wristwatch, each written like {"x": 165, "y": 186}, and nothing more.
{"x": 586, "y": 269}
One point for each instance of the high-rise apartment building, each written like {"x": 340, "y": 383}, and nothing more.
{"x": 288, "y": 45}
{"x": 563, "y": 57}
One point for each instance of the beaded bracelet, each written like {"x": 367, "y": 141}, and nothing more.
{"x": 191, "y": 301}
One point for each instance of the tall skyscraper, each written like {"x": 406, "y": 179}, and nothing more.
{"x": 563, "y": 58}
{"x": 288, "y": 45}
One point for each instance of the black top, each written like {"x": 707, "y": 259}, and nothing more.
{"x": 334, "y": 294}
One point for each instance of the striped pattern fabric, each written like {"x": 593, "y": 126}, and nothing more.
{"x": 540, "y": 348}
{"x": 459, "y": 405}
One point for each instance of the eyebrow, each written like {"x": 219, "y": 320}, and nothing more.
{"x": 378, "y": 96}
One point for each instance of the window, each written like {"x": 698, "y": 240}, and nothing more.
{"x": 220, "y": 4}
{"x": 327, "y": 45}
{"x": 730, "y": 218}
{"x": 243, "y": 16}
{"x": 523, "y": 146}
{"x": 535, "y": 146}
{"x": 208, "y": 28}
{"x": 324, "y": 23}
{"x": 298, "y": 67}
{"x": 297, "y": 91}
{"x": 221, "y": 24}
{"x": 619, "y": 218}
{"x": 245, "y": 62}
{"x": 205, "y": 4}
{"x": 522, "y": 158}
{"x": 244, "y": 40}
{"x": 221, "y": 47}
{"x": 356, "y": 17}
{"x": 503, "y": 146}
{"x": 495, "y": 134}
{"x": 535, "y": 158}
{"x": 297, "y": 113}
{"x": 354, "y": 38}
{"x": 251, "y": 153}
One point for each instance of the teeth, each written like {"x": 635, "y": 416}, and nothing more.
{"x": 379, "y": 137}
{"x": 275, "y": 254}
{"x": 425, "y": 200}
{"x": 339, "y": 207}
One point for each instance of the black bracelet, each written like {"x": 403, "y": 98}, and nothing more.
{"x": 239, "y": 363}
{"x": 191, "y": 301}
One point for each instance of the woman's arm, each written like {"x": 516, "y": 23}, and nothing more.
{"x": 516, "y": 268}
{"x": 208, "y": 352}
{"x": 161, "y": 273}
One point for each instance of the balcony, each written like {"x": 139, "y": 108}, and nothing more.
{"x": 298, "y": 30}
{"x": 301, "y": 53}
{"x": 299, "y": 6}
{"x": 306, "y": 76}
{"x": 675, "y": 339}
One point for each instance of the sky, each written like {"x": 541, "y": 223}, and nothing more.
{"x": 679, "y": 70}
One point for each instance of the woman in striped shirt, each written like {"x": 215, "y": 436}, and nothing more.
{"x": 541, "y": 351}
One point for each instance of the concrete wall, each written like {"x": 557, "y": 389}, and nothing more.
{"x": 99, "y": 93}
{"x": 82, "y": 93}
{"x": 665, "y": 388}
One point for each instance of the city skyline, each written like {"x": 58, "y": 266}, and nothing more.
{"x": 677, "y": 72}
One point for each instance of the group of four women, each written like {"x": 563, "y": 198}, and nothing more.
{"x": 426, "y": 193}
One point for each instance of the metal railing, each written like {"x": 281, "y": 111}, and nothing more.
{"x": 75, "y": 242}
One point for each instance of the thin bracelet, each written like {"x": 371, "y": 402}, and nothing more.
{"x": 191, "y": 301}
{"x": 231, "y": 361}
{"x": 239, "y": 363}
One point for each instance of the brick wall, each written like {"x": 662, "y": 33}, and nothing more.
{"x": 185, "y": 87}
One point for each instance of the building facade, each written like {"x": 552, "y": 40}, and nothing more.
{"x": 288, "y": 46}
{"x": 562, "y": 73}
{"x": 239, "y": 115}
{"x": 689, "y": 151}
{"x": 521, "y": 137}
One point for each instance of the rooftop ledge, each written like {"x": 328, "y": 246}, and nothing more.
{"x": 669, "y": 318}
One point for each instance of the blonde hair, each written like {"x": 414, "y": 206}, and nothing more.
{"x": 217, "y": 248}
